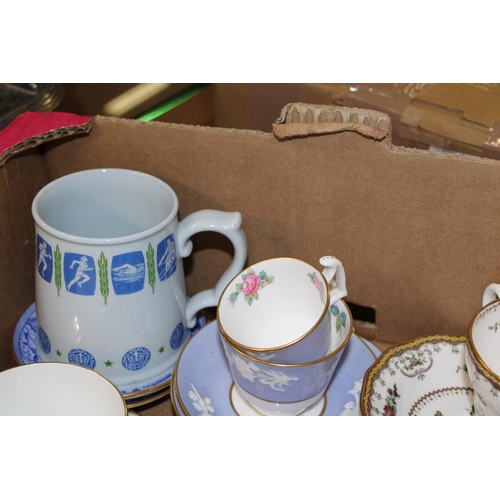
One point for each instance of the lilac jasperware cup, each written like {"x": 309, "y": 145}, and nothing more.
{"x": 276, "y": 389}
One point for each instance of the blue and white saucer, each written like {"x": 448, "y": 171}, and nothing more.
{"x": 24, "y": 351}
{"x": 202, "y": 384}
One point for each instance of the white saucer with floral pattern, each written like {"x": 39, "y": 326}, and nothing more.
{"x": 24, "y": 351}
{"x": 202, "y": 384}
{"x": 425, "y": 377}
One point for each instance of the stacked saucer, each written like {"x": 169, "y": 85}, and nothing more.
{"x": 24, "y": 352}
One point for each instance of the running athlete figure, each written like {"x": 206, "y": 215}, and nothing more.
{"x": 80, "y": 276}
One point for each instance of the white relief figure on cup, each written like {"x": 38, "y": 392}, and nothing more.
{"x": 44, "y": 259}
{"x": 127, "y": 273}
{"x": 166, "y": 257}
{"x": 79, "y": 273}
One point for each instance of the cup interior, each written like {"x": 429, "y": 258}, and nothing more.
{"x": 273, "y": 303}
{"x": 107, "y": 203}
{"x": 58, "y": 389}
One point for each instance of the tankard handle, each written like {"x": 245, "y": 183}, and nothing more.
{"x": 226, "y": 223}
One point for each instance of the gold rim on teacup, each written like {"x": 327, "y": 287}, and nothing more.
{"x": 307, "y": 363}
{"x": 101, "y": 377}
{"x": 156, "y": 392}
{"x": 381, "y": 362}
{"x": 478, "y": 360}
{"x": 264, "y": 350}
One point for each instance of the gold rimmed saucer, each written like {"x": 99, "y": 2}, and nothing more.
{"x": 201, "y": 381}
{"x": 425, "y": 376}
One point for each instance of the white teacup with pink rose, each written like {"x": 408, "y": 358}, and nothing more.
{"x": 279, "y": 309}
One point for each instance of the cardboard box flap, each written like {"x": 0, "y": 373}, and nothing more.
{"x": 299, "y": 120}
{"x": 34, "y": 128}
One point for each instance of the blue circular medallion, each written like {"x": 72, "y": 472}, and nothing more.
{"x": 44, "y": 340}
{"x": 177, "y": 336}
{"x": 82, "y": 358}
{"x": 136, "y": 358}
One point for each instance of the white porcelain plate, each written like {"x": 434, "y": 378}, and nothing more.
{"x": 427, "y": 376}
{"x": 24, "y": 350}
{"x": 202, "y": 383}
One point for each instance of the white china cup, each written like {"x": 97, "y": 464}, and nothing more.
{"x": 275, "y": 389}
{"x": 57, "y": 389}
{"x": 279, "y": 309}
{"x": 483, "y": 353}
{"x": 110, "y": 287}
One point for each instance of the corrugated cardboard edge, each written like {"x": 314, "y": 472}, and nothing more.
{"x": 300, "y": 120}
{"x": 50, "y": 135}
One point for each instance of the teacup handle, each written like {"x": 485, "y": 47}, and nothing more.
{"x": 492, "y": 292}
{"x": 334, "y": 269}
{"x": 226, "y": 223}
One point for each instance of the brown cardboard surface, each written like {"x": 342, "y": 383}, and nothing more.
{"x": 415, "y": 230}
{"x": 21, "y": 179}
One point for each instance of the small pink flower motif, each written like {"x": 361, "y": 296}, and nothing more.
{"x": 318, "y": 283}
{"x": 250, "y": 284}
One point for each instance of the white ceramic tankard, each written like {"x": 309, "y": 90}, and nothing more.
{"x": 110, "y": 290}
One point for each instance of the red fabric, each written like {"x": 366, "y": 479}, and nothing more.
{"x": 32, "y": 124}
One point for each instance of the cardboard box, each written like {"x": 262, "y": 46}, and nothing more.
{"x": 415, "y": 230}
{"x": 462, "y": 118}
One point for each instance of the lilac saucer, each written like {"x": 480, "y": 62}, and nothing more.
{"x": 202, "y": 382}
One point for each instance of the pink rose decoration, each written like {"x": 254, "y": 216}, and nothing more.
{"x": 250, "y": 284}
{"x": 318, "y": 283}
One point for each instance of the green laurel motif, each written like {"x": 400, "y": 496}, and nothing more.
{"x": 57, "y": 270}
{"x": 150, "y": 256}
{"x": 103, "y": 277}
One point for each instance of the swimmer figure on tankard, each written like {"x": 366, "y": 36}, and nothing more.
{"x": 80, "y": 276}
{"x": 42, "y": 256}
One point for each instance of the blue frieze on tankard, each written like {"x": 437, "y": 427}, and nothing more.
{"x": 79, "y": 273}
{"x": 44, "y": 258}
{"x": 127, "y": 272}
{"x": 82, "y": 358}
{"x": 177, "y": 336}
{"x": 166, "y": 257}
{"x": 136, "y": 358}
{"x": 44, "y": 341}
